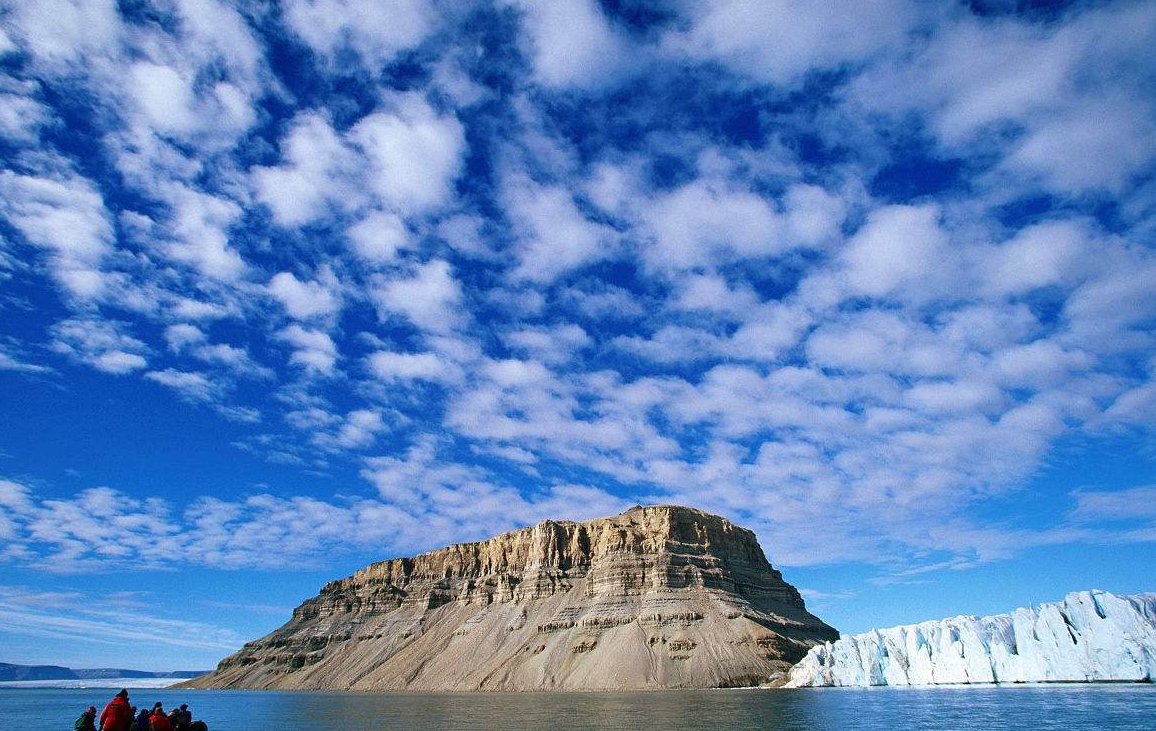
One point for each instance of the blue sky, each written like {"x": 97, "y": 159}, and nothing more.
{"x": 289, "y": 288}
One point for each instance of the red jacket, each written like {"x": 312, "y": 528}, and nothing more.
{"x": 160, "y": 722}
{"x": 117, "y": 715}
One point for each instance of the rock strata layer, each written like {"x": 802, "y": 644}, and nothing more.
{"x": 1091, "y": 636}
{"x": 657, "y": 597}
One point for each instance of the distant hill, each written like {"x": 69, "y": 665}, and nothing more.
{"x": 10, "y": 672}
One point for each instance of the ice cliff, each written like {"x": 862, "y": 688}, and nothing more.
{"x": 1089, "y": 636}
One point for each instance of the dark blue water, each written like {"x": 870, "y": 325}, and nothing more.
{"x": 1123, "y": 707}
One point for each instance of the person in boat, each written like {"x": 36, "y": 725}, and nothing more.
{"x": 87, "y": 720}
{"x": 158, "y": 721}
{"x": 117, "y": 715}
{"x": 142, "y": 721}
{"x": 181, "y": 718}
{"x": 185, "y": 718}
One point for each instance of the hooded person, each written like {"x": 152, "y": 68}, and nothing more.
{"x": 142, "y": 721}
{"x": 185, "y": 718}
{"x": 117, "y": 715}
{"x": 87, "y": 720}
{"x": 158, "y": 720}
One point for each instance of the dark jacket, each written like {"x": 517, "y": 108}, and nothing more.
{"x": 86, "y": 722}
{"x": 142, "y": 722}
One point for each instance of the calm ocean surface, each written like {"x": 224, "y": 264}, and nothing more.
{"x": 971, "y": 709}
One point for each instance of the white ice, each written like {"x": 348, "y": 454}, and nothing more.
{"x": 1089, "y": 636}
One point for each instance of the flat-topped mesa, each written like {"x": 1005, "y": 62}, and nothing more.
{"x": 660, "y": 596}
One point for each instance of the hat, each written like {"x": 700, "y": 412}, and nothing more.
{"x": 123, "y": 693}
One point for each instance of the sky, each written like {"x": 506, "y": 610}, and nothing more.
{"x": 287, "y": 288}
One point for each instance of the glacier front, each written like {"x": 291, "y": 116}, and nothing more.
{"x": 1089, "y": 636}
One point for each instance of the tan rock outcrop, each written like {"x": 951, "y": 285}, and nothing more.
{"x": 657, "y": 597}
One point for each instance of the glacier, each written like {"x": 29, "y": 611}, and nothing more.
{"x": 1090, "y": 636}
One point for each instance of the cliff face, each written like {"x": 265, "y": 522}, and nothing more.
{"x": 1090, "y": 636}
{"x": 657, "y": 597}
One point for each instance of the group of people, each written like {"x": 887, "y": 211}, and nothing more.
{"x": 120, "y": 715}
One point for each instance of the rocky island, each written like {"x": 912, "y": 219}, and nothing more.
{"x": 657, "y": 597}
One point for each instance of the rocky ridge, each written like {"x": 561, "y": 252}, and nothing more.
{"x": 657, "y": 597}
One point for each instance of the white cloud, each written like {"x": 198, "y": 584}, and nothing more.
{"x": 1041, "y": 255}
{"x": 550, "y": 345}
{"x": 94, "y": 624}
{"x": 165, "y": 97}
{"x": 314, "y": 350}
{"x": 100, "y": 344}
{"x": 430, "y": 299}
{"x": 438, "y": 499}
{"x": 193, "y": 386}
{"x": 377, "y": 237}
{"x": 673, "y": 344}
{"x": 901, "y": 251}
{"x": 413, "y": 154}
{"x": 305, "y": 300}
{"x": 1040, "y": 364}
{"x": 336, "y": 434}
{"x": 1078, "y": 150}
{"x": 65, "y": 216}
{"x": 318, "y": 172}
{"x": 780, "y": 41}
{"x": 873, "y": 341}
{"x": 21, "y": 116}
{"x": 1044, "y": 96}
{"x": 61, "y": 32}
{"x": 234, "y": 359}
{"x": 375, "y": 30}
{"x": 555, "y": 236}
{"x": 712, "y": 293}
{"x": 710, "y": 223}
{"x": 200, "y": 224}
{"x": 572, "y": 43}
{"x": 1137, "y": 503}
{"x": 13, "y": 359}
{"x": 181, "y": 336}
{"x": 390, "y": 366}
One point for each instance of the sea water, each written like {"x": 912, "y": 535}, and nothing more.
{"x": 1122, "y": 707}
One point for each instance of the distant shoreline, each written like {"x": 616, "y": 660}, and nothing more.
{"x": 93, "y": 683}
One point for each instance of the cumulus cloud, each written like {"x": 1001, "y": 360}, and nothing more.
{"x": 782, "y": 40}
{"x": 573, "y": 44}
{"x": 377, "y": 237}
{"x": 375, "y": 31}
{"x": 390, "y": 366}
{"x": 899, "y": 249}
{"x": 313, "y": 350}
{"x": 191, "y": 385}
{"x": 710, "y": 223}
{"x": 318, "y": 171}
{"x": 555, "y": 236}
{"x": 102, "y": 344}
{"x": 65, "y": 216}
{"x": 413, "y": 153}
{"x": 430, "y": 299}
{"x": 305, "y": 300}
